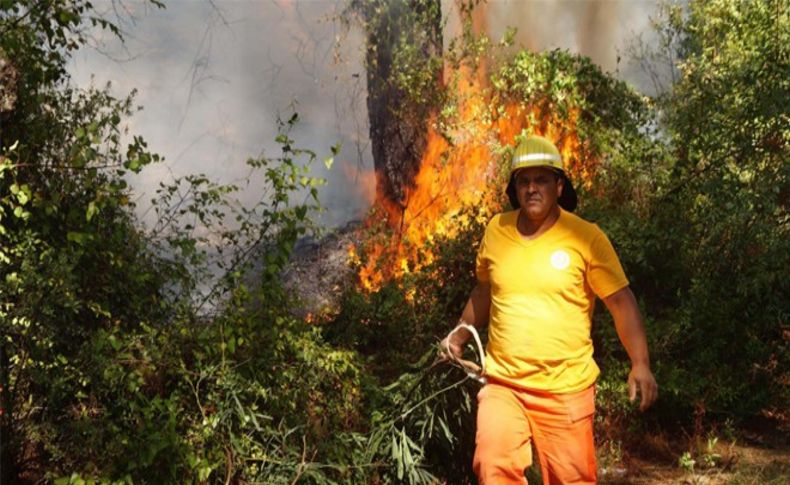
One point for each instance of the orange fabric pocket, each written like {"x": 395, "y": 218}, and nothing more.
{"x": 580, "y": 405}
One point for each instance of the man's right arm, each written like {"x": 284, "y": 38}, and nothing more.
{"x": 475, "y": 313}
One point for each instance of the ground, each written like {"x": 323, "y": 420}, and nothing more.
{"x": 756, "y": 456}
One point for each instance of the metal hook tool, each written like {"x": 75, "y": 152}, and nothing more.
{"x": 476, "y": 372}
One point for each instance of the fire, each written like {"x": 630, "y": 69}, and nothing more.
{"x": 563, "y": 133}
{"x": 457, "y": 171}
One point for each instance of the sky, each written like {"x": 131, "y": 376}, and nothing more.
{"x": 214, "y": 76}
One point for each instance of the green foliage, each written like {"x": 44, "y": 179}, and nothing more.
{"x": 706, "y": 244}
{"x": 423, "y": 411}
{"x": 429, "y": 416}
{"x": 570, "y": 95}
{"x": 113, "y": 355}
{"x": 130, "y": 353}
{"x": 403, "y": 51}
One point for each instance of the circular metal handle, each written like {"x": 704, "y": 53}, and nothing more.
{"x": 472, "y": 369}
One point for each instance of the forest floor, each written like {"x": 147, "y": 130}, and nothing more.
{"x": 759, "y": 455}
{"x": 750, "y": 464}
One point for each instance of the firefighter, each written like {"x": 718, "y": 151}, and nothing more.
{"x": 539, "y": 270}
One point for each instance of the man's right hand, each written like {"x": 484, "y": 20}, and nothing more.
{"x": 452, "y": 347}
{"x": 475, "y": 311}
{"x": 449, "y": 350}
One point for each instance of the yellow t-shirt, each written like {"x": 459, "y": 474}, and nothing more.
{"x": 542, "y": 298}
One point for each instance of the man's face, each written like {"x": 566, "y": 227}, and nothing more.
{"x": 537, "y": 189}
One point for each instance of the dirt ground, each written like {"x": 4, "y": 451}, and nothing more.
{"x": 706, "y": 462}
{"x": 748, "y": 465}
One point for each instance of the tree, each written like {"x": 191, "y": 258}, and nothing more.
{"x": 61, "y": 164}
{"x": 702, "y": 222}
{"x": 727, "y": 124}
{"x": 403, "y": 59}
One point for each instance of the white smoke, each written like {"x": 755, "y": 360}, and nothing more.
{"x": 213, "y": 76}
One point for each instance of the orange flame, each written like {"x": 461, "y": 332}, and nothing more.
{"x": 457, "y": 171}
{"x": 563, "y": 133}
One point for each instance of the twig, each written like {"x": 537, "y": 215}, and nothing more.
{"x": 228, "y": 465}
{"x": 300, "y": 468}
{"x": 432, "y": 396}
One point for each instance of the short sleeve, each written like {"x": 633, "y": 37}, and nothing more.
{"x": 482, "y": 262}
{"x": 605, "y": 274}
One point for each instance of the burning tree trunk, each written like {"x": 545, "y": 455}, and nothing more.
{"x": 404, "y": 60}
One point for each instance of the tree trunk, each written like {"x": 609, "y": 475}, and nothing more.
{"x": 398, "y": 119}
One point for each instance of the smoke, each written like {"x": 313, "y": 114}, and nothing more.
{"x": 214, "y": 76}
{"x": 599, "y": 29}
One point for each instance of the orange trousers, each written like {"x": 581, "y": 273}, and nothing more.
{"x": 561, "y": 425}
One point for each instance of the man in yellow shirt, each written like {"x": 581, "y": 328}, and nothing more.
{"x": 539, "y": 271}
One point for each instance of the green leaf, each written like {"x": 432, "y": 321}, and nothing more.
{"x": 12, "y": 279}
{"x": 445, "y": 430}
{"x": 23, "y": 196}
{"x": 78, "y": 237}
{"x": 133, "y": 164}
{"x": 114, "y": 342}
{"x": 396, "y": 456}
{"x": 91, "y": 211}
{"x": 408, "y": 461}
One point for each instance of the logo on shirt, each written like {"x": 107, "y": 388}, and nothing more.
{"x": 560, "y": 259}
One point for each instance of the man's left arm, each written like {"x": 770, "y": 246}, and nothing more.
{"x": 628, "y": 322}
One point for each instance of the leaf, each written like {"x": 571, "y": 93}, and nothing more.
{"x": 91, "y": 211}
{"x": 445, "y": 430}
{"x": 114, "y": 342}
{"x": 77, "y": 237}
{"x": 396, "y": 456}
{"x": 133, "y": 164}
{"x": 23, "y": 194}
{"x": 408, "y": 461}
